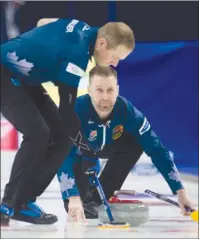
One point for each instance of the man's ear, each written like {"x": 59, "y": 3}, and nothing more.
{"x": 101, "y": 43}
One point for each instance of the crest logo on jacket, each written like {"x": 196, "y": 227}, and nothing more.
{"x": 117, "y": 131}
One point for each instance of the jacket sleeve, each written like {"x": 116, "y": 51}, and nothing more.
{"x": 140, "y": 127}
{"x": 72, "y": 122}
{"x": 66, "y": 176}
{"x": 69, "y": 75}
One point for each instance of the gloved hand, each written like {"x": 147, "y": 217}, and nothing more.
{"x": 75, "y": 210}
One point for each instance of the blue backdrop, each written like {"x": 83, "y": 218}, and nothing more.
{"x": 161, "y": 79}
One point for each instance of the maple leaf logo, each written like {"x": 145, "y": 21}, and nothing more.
{"x": 174, "y": 175}
{"x": 66, "y": 183}
{"x": 23, "y": 66}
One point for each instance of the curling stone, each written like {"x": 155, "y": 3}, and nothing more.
{"x": 133, "y": 212}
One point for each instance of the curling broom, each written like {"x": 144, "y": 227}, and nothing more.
{"x": 93, "y": 176}
{"x": 194, "y": 213}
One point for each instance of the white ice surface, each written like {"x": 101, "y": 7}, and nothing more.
{"x": 164, "y": 221}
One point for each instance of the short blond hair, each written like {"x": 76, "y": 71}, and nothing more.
{"x": 117, "y": 33}
{"x": 107, "y": 71}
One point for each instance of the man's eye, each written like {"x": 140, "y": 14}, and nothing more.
{"x": 99, "y": 90}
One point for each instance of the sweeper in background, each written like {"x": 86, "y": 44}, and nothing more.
{"x": 56, "y": 51}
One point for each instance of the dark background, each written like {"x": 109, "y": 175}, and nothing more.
{"x": 151, "y": 21}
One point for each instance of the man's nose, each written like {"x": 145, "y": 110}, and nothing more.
{"x": 105, "y": 96}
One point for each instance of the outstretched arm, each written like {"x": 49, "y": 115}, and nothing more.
{"x": 68, "y": 187}
{"x": 161, "y": 158}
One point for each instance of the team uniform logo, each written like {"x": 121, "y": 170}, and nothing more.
{"x": 174, "y": 174}
{"x": 66, "y": 183}
{"x": 71, "y": 25}
{"x": 23, "y": 66}
{"x": 93, "y": 135}
{"x": 117, "y": 131}
{"x": 74, "y": 69}
{"x": 86, "y": 28}
{"x": 145, "y": 127}
{"x": 90, "y": 121}
{"x": 79, "y": 142}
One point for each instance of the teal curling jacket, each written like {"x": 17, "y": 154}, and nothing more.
{"x": 125, "y": 119}
{"x": 56, "y": 52}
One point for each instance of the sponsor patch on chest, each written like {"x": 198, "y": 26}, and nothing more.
{"x": 117, "y": 131}
{"x": 93, "y": 135}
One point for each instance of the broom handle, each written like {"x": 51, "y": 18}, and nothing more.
{"x": 168, "y": 200}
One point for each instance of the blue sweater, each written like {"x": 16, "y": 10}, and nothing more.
{"x": 58, "y": 51}
{"x": 124, "y": 119}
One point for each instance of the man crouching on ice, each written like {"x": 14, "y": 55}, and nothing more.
{"x": 115, "y": 130}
